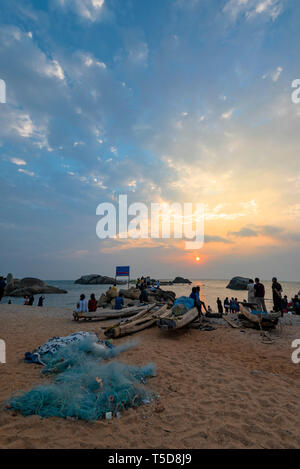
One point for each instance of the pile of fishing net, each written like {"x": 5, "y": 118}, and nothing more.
{"x": 83, "y": 386}
{"x": 182, "y": 305}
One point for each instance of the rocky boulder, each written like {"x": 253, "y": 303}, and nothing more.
{"x": 131, "y": 293}
{"x": 110, "y": 294}
{"x": 28, "y": 286}
{"x": 102, "y": 301}
{"x": 238, "y": 283}
{"x": 163, "y": 296}
{"x": 181, "y": 280}
{"x": 95, "y": 279}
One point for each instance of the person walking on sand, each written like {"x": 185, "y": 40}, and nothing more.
{"x": 92, "y": 304}
{"x": 220, "y": 306}
{"x": 259, "y": 293}
{"x": 2, "y": 287}
{"x": 277, "y": 295}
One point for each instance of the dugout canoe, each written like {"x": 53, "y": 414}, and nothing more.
{"x": 141, "y": 321}
{"x": 177, "y": 322}
{"x": 112, "y": 313}
{"x": 265, "y": 321}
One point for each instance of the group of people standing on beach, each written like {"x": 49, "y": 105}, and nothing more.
{"x": 256, "y": 296}
{"x": 256, "y": 299}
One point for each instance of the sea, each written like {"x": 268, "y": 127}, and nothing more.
{"x": 210, "y": 291}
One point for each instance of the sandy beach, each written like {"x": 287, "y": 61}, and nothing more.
{"x": 218, "y": 389}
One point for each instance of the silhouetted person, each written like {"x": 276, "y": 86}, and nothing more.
{"x": 277, "y": 293}
{"x": 31, "y": 300}
{"x": 41, "y": 300}
{"x": 195, "y": 295}
{"x": 220, "y": 306}
{"x": 2, "y": 287}
{"x": 259, "y": 293}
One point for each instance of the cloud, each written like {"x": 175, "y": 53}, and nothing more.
{"x": 23, "y": 125}
{"x": 18, "y": 161}
{"x": 138, "y": 53}
{"x": 228, "y": 114}
{"x": 270, "y": 230}
{"x": 243, "y": 233}
{"x": 53, "y": 69}
{"x": 254, "y": 231}
{"x": 216, "y": 239}
{"x": 87, "y": 9}
{"x": 25, "y": 171}
{"x": 90, "y": 61}
{"x": 274, "y": 75}
{"x": 250, "y": 9}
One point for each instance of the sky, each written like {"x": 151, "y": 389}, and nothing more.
{"x": 174, "y": 101}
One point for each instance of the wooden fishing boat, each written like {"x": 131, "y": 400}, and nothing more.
{"x": 140, "y": 321}
{"x": 259, "y": 320}
{"x": 104, "y": 314}
{"x": 177, "y": 322}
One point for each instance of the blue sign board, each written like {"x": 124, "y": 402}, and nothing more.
{"x": 122, "y": 271}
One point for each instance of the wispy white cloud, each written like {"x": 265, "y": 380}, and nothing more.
{"x": 90, "y": 61}
{"x": 138, "y": 53}
{"x": 274, "y": 75}
{"x": 18, "y": 161}
{"x": 54, "y": 69}
{"x": 23, "y": 125}
{"x": 252, "y": 8}
{"x": 227, "y": 114}
{"x": 88, "y": 9}
{"x": 25, "y": 171}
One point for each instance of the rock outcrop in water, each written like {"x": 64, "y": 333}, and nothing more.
{"x": 238, "y": 283}
{"x": 181, "y": 280}
{"x": 95, "y": 279}
{"x": 28, "y": 286}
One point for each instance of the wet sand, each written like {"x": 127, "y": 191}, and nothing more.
{"x": 218, "y": 389}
